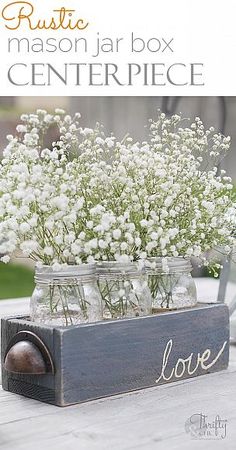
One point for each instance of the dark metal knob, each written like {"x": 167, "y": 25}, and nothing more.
{"x": 27, "y": 354}
{"x": 25, "y": 357}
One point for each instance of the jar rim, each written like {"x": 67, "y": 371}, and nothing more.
{"x": 68, "y": 271}
{"x": 106, "y": 267}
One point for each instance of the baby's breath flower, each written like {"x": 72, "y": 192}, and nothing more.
{"x": 90, "y": 197}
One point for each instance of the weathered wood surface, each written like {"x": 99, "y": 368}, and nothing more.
{"x": 144, "y": 420}
{"x": 109, "y": 358}
{"x": 149, "y": 419}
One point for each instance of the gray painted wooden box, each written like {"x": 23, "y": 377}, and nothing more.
{"x": 102, "y": 359}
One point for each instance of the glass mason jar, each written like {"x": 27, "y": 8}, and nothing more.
{"x": 124, "y": 290}
{"x": 171, "y": 283}
{"x": 66, "y": 297}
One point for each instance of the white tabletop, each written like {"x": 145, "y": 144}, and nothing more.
{"x": 149, "y": 419}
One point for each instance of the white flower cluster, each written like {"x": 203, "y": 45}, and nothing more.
{"x": 89, "y": 197}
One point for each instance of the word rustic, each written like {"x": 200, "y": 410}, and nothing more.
{"x": 185, "y": 365}
{"x": 17, "y": 14}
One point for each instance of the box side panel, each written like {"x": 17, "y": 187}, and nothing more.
{"x": 58, "y": 377}
{"x": 39, "y": 387}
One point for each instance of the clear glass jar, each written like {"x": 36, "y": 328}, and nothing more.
{"x": 66, "y": 297}
{"x": 171, "y": 283}
{"x": 124, "y": 290}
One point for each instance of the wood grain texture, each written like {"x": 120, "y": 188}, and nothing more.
{"x": 149, "y": 419}
{"x": 118, "y": 357}
{"x": 41, "y": 387}
{"x": 108, "y": 358}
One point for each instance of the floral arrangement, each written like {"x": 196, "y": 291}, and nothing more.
{"x": 89, "y": 197}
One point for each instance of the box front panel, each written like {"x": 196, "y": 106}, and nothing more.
{"x": 110, "y": 358}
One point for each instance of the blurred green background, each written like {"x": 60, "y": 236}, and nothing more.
{"x": 15, "y": 281}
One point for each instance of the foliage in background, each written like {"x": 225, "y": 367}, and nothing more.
{"x": 15, "y": 281}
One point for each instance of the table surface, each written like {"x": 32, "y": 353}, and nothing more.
{"x": 144, "y": 420}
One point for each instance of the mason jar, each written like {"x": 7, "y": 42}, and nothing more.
{"x": 66, "y": 297}
{"x": 124, "y": 290}
{"x": 170, "y": 283}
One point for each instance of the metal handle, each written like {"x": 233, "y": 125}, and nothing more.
{"x": 27, "y": 354}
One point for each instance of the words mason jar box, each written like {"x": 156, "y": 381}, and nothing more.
{"x": 70, "y": 365}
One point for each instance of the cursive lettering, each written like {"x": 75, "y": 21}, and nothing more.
{"x": 184, "y": 365}
{"x": 17, "y": 14}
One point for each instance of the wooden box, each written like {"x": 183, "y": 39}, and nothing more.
{"x": 96, "y": 360}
